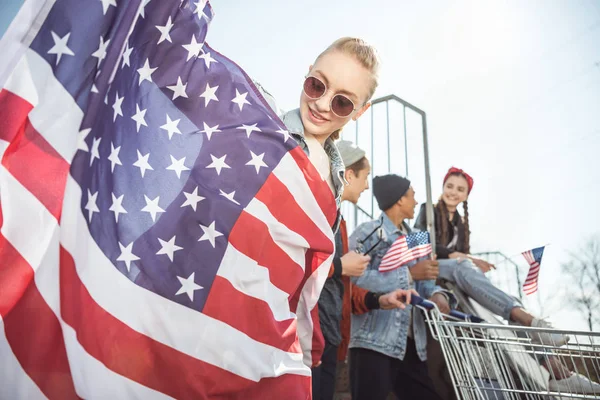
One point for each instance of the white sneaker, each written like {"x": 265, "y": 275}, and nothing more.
{"x": 547, "y": 338}
{"x": 576, "y": 383}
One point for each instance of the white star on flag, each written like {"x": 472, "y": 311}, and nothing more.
{"x": 171, "y": 126}
{"x": 95, "y": 152}
{"x": 142, "y": 163}
{"x": 146, "y": 72}
{"x": 152, "y": 207}
{"x": 200, "y": 5}
{"x": 91, "y": 205}
{"x": 286, "y": 134}
{"x": 188, "y": 286}
{"x": 60, "y": 46}
{"x": 257, "y": 161}
{"x": 210, "y": 130}
{"x": 210, "y": 93}
{"x": 193, "y": 48}
{"x": 117, "y": 206}
{"x": 117, "y": 106}
{"x": 210, "y": 233}
{"x": 249, "y": 129}
{"x": 142, "y": 7}
{"x": 240, "y": 99}
{"x": 192, "y": 199}
{"x": 127, "y": 255}
{"x": 165, "y": 31}
{"x": 177, "y": 166}
{"x": 178, "y": 89}
{"x": 139, "y": 118}
{"x": 218, "y": 163}
{"x": 81, "y": 144}
{"x": 207, "y": 59}
{"x": 100, "y": 54}
{"x": 168, "y": 248}
{"x": 126, "y": 55}
{"x": 114, "y": 157}
{"x": 106, "y": 4}
{"x": 229, "y": 196}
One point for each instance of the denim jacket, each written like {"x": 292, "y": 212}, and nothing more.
{"x": 386, "y": 331}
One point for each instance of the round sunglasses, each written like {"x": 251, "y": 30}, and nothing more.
{"x": 340, "y": 105}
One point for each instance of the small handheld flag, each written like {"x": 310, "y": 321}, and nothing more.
{"x": 534, "y": 259}
{"x": 406, "y": 249}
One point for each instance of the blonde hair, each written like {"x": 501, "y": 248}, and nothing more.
{"x": 365, "y": 54}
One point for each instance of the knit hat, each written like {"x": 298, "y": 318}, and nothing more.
{"x": 388, "y": 189}
{"x": 350, "y": 152}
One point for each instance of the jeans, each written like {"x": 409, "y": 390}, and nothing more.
{"x": 476, "y": 285}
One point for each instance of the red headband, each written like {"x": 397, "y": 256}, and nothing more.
{"x": 455, "y": 170}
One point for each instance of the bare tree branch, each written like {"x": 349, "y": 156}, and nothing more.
{"x": 584, "y": 271}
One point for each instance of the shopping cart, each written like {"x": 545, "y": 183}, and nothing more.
{"x": 501, "y": 362}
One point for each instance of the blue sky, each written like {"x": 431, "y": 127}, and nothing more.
{"x": 511, "y": 90}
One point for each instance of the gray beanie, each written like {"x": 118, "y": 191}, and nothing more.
{"x": 388, "y": 189}
{"x": 350, "y": 152}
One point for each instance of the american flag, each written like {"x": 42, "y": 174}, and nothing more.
{"x": 534, "y": 259}
{"x": 406, "y": 249}
{"x": 162, "y": 235}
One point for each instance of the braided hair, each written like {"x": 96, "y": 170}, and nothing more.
{"x": 443, "y": 224}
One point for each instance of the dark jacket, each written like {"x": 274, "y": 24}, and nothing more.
{"x": 456, "y": 227}
{"x": 340, "y": 298}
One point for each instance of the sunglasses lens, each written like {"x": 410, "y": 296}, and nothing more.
{"x": 313, "y": 87}
{"x": 341, "y": 105}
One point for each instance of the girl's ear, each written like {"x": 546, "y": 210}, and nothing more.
{"x": 361, "y": 111}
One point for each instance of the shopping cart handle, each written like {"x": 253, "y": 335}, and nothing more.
{"x": 419, "y": 301}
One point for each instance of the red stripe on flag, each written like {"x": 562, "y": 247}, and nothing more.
{"x": 151, "y": 363}
{"x": 324, "y": 197}
{"x": 38, "y": 167}
{"x": 284, "y": 273}
{"x": 251, "y": 316}
{"x": 32, "y": 330}
{"x": 13, "y": 114}
{"x": 313, "y": 261}
{"x": 29, "y": 157}
{"x": 282, "y": 205}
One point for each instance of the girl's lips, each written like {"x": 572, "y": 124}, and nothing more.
{"x": 315, "y": 117}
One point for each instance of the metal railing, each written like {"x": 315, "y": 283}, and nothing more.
{"x": 383, "y": 143}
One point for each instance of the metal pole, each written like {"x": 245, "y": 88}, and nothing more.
{"x": 405, "y": 140}
{"x": 508, "y": 259}
{"x": 372, "y": 156}
{"x": 387, "y": 118}
{"x": 429, "y": 206}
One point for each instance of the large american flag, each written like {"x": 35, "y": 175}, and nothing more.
{"x": 162, "y": 236}
{"x": 406, "y": 249}
{"x": 534, "y": 259}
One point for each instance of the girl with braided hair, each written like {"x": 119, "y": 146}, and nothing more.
{"x": 468, "y": 274}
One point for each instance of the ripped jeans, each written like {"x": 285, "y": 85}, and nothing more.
{"x": 476, "y": 285}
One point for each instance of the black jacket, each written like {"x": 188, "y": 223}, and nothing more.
{"x": 456, "y": 226}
